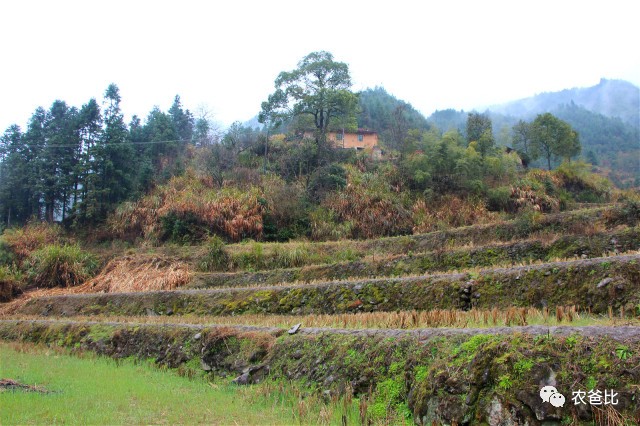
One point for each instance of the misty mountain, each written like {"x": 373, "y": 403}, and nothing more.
{"x": 611, "y": 98}
{"x": 609, "y": 142}
{"x": 253, "y": 123}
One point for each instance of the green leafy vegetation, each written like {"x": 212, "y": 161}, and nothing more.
{"x": 60, "y": 266}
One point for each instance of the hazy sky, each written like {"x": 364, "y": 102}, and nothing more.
{"x": 226, "y": 55}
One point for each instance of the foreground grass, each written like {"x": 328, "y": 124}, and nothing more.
{"x": 96, "y": 390}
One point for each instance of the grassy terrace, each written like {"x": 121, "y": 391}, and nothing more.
{"x": 520, "y": 252}
{"x": 595, "y": 284}
{"x": 503, "y": 307}
{"x": 255, "y": 256}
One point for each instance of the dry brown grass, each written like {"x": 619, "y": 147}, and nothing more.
{"x": 475, "y": 318}
{"x": 139, "y": 273}
{"x": 26, "y": 240}
{"x": 450, "y": 212}
{"x": 230, "y": 212}
{"x": 524, "y": 197}
{"x": 133, "y": 273}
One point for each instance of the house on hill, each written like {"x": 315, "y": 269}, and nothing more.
{"x": 358, "y": 140}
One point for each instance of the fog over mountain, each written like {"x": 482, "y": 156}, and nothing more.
{"x": 611, "y": 98}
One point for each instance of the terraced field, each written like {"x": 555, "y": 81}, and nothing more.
{"x": 462, "y": 326}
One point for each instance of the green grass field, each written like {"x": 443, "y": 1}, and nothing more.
{"x": 95, "y": 390}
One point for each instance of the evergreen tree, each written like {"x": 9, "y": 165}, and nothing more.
{"x": 117, "y": 154}
{"x": 59, "y": 159}
{"x": 87, "y": 194}
{"x": 35, "y": 141}
{"x": 183, "y": 121}
{"x": 14, "y": 192}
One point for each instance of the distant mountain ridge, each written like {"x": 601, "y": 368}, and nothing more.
{"x": 611, "y": 98}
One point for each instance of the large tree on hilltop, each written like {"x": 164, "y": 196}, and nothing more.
{"x": 319, "y": 88}
{"x": 554, "y": 138}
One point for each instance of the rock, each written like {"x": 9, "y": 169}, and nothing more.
{"x": 169, "y": 311}
{"x": 241, "y": 380}
{"x": 294, "y": 329}
{"x": 604, "y": 282}
{"x": 497, "y": 414}
{"x": 205, "y": 366}
{"x": 197, "y": 336}
{"x": 543, "y": 411}
{"x": 251, "y": 375}
{"x": 330, "y": 379}
{"x": 258, "y": 355}
{"x": 297, "y": 354}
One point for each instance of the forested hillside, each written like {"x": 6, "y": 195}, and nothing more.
{"x": 171, "y": 176}
{"x": 605, "y": 117}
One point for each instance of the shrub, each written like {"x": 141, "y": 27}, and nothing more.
{"x": 498, "y": 199}
{"x": 326, "y": 226}
{"x": 6, "y": 254}
{"x": 371, "y": 205}
{"x": 524, "y": 197}
{"x": 585, "y": 186}
{"x": 10, "y": 284}
{"x": 285, "y": 209}
{"x": 190, "y": 207}
{"x": 628, "y": 213}
{"x": 449, "y": 211}
{"x": 24, "y": 241}
{"x": 182, "y": 229}
{"x": 60, "y": 266}
{"x": 325, "y": 179}
{"x": 217, "y": 258}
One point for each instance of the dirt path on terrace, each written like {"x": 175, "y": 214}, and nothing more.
{"x": 619, "y": 333}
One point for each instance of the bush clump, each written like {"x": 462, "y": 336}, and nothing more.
{"x": 372, "y": 207}
{"x": 188, "y": 208}
{"x": 10, "y": 284}
{"x": 22, "y": 242}
{"x": 449, "y": 212}
{"x": 627, "y": 213}
{"x": 217, "y": 258}
{"x": 60, "y": 266}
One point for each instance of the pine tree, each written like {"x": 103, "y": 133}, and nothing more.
{"x": 115, "y": 155}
